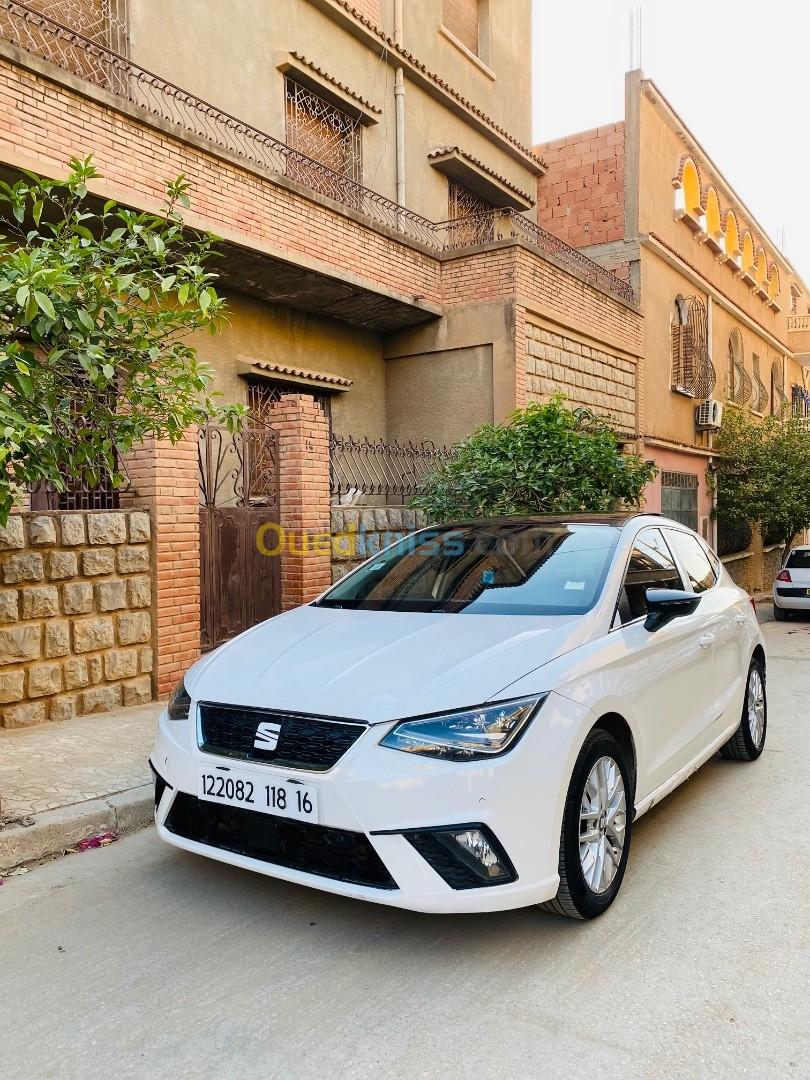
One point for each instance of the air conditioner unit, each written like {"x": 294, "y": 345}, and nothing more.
{"x": 709, "y": 415}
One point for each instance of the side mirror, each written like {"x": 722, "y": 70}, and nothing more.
{"x": 664, "y": 605}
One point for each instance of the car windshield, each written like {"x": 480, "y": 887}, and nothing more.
{"x": 488, "y": 569}
{"x": 799, "y": 560}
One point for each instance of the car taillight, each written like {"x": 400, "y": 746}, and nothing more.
{"x": 784, "y": 576}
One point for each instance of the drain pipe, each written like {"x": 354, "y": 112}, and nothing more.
{"x": 399, "y": 103}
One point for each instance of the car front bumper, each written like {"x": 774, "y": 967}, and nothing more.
{"x": 374, "y": 795}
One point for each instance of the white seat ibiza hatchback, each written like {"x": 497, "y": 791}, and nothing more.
{"x": 470, "y": 721}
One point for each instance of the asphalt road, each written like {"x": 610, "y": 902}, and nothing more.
{"x": 140, "y": 961}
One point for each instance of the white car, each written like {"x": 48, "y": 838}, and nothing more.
{"x": 791, "y": 590}
{"x": 470, "y": 721}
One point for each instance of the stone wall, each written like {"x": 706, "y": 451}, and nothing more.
{"x": 359, "y": 533}
{"x": 75, "y": 614}
{"x": 587, "y": 375}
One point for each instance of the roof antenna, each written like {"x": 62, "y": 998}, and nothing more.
{"x": 636, "y": 37}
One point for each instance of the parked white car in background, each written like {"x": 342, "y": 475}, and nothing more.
{"x": 470, "y": 721}
{"x": 791, "y": 590}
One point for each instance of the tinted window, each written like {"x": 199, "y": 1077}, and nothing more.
{"x": 487, "y": 569}
{"x": 799, "y": 560}
{"x": 651, "y": 566}
{"x": 694, "y": 560}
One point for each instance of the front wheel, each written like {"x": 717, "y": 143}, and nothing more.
{"x": 748, "y": 741}
{"x": 595, "y": 837}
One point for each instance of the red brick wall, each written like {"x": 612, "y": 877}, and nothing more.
{"x": 303, "y": 453}
{"x": 581, "y": 197}
{"x": 46, "y": 124}
{"x": 166, "y": 479}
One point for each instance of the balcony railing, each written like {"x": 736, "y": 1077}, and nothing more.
{"x": 798, "y": 322}
{"x": 36, "y": 33}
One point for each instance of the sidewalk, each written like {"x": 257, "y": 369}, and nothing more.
{"x": 60, "y": 783}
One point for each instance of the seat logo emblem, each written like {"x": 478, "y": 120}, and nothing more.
{"x": 267, "y": 736}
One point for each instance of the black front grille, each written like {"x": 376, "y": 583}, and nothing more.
{"x": 304, "y": 742}
{"x": 314, "y": 849}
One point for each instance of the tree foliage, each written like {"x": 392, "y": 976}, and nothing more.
{"x": 545, "y": 459}
{"x": 763, "y": 473}
{"x": 96, "y": 306}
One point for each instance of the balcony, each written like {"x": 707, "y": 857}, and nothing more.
{"x": 799, "y": 338}
{"x": 319, "y": 262}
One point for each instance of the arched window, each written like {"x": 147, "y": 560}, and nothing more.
{"x": 714, "y": 223}
{"x": 761, "y": 271}
{"x": 778, "y": 397}
{"x": 739, "y": 387}
{"x": 690, "y": 180}
{"x": 748, "y": 258}
{"x": 692, "y": 371}
{"x": 774, "y": 286}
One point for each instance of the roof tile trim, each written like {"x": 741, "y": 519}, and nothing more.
{"x": 440, "y": 151}
{"x": 301, "y": 373}
{"x": 439, "y": 81}
{"x": 305, "y": 60}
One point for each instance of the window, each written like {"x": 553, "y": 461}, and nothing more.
{"x": 799, "y": 559}
{"x": 761, "y": 395}
{"x": 694, "y": 560}
{"x": 679, "y": 497}
{"x": 739, "y": 386}
{"x": 692, "y": 370}
{"x": 461, "y": 18}
{"x": 651, "y": 566}
{"x": 486, "y": 569}
{"x": 470, "y": 218}
{"x": 778, "y": 397}
{"x": 329, "y": 140}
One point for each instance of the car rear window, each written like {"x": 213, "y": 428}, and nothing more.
{"x": 799, "y": 560}
{"x": 487, "y": 569}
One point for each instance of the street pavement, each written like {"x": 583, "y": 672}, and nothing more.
{"x": 137, "y": 961}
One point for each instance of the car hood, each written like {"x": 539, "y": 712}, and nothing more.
{"x": 379, "y": 666}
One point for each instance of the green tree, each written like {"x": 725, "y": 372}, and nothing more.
{"x": 545, "y": 459}
{"x": 763, "y": 473}
{"x": 96, "y": 306}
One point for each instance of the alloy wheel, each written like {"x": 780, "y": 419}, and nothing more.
{"x": 756, "y": 707}
{"x": 602, "y": 822}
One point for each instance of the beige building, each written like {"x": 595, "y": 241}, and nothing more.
{"x": 724, "y": 311}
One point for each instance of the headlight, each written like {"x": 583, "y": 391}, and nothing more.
{"x": 179, "y": 703}
{"x": 465, "y": 736}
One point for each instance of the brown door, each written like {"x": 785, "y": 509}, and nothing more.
{"x": 239, "y": 586}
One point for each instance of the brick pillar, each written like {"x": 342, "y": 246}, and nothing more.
{"x": 303, "y": 454}
{"x": 164, "y": 478}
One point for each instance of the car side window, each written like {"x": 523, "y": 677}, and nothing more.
{"x": 695, "y": 561}
{"x": 651, "y": 566}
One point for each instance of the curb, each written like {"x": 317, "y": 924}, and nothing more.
{"x": 55, "y": 831}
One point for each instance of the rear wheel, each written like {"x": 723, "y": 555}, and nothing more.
{"x": 748, "y": 741}
{"x": 779, "y": 613}
{"x": 595, "y": 837}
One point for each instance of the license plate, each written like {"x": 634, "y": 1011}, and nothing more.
{"x": 251, "y": 789}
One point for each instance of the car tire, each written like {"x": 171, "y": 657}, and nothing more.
{"x": 779, "y": 614}
{"x": 584, "y": 891}
{"x": 748, "y": 741}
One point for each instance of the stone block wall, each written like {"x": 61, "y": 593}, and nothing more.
{"x": 359, "y": 533}
{"x": 75, "y": 614}
{"x": 587, "y": 375}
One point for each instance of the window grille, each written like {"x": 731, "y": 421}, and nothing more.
{"x": 325, "y": 136}
{"x": 740, "y": 387}
{"x": 761, "y": 394}
{"x": 471, "y": 219}
{"x": 692, "y": 370}
{"x": 779, "y": 399}
{"x": 679, "y": 497}
{"x": 460, "y": 17}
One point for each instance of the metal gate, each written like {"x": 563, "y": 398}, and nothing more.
{"x": 239, "y": 493}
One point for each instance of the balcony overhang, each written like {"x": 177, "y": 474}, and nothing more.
{"x": 476, "y": 176}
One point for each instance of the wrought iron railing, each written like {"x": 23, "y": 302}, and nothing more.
{"x": 237, "y": 468}
{"x": 360, "y": 468}
{"x": 37, "y": 33}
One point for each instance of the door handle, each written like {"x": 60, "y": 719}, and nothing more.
{"x": 740, "y": 620}
{"x": 706, "y": 641}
